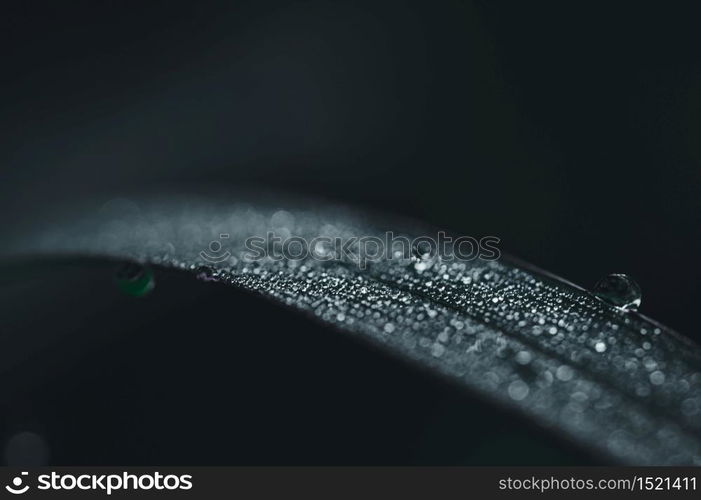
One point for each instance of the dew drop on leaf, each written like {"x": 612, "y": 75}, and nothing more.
{"x": 620, "y": 291}
{"x": 518, "y": 390}
{"x": 134, "y": 279}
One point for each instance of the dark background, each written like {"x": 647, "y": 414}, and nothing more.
{"x": 570, "y": 131}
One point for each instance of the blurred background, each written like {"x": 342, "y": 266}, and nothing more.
{"x": 571, "y": 132}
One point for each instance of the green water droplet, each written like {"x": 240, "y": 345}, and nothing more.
{"x": 134, "y": 279}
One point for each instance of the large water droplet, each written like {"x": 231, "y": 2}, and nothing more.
{"x": 619, "y": 290}
{"x": 134, "y": 279}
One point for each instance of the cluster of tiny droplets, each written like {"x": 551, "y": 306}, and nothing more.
{"x": 609, "y": 378}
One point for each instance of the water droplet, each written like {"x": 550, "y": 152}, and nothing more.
{"x": 518, "y": 390}
{"x": 619, "y": 290}
{"x": 657, "y": 377}
{"x": 523, "y": 357}
{"x": 421, "y": 266}
{"x": 134, "y": 279}
{"x": 600, "y": 346}
{"x": 691, "y": 407}
{"x": 437, "y": 350}
{"x": 564, "y": 373}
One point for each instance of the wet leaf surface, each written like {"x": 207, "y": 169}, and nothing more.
{"x": 611, "y": 380}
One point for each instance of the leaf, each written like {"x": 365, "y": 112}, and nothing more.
{"x": 611, "y": 380}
